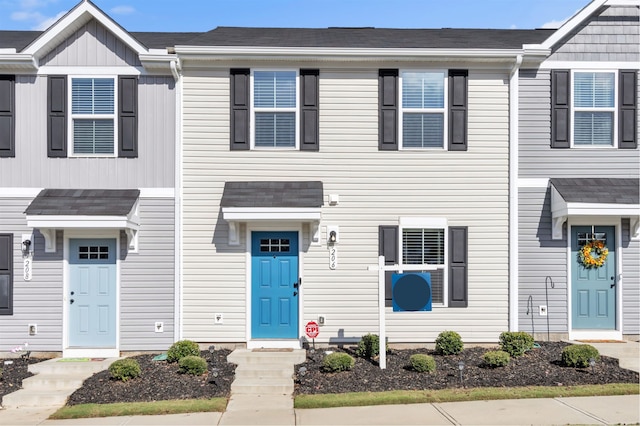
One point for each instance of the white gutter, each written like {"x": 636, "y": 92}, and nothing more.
{"x": 177, "y": 310}
{"x": 514, "y": 117}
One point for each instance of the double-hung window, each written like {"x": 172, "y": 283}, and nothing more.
{"x": 423, "y": 242}
{"x": 594, "y": 108}
{"x": 423, "y": 113}
{"x": 93, "y": 116}
{"x": 275, "y": 109}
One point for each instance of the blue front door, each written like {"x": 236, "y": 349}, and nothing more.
{"x": 92, "y": 293}
{"x": 274, "y": 285}
{"x": 593, "y": 289}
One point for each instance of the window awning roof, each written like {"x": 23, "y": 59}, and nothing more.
{"x": 83, "y": 209}
{"x": 292, "y": 201}
{"x": 613, "y": 197}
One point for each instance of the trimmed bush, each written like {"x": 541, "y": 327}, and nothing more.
{"x": 338, "y": 361}
{"x": 369, "y": 346}
{"x": 194, "y": 365}
{"x": 449, "y": 343}
{"x": 495, "y": 359}
{"x": 578, "y": 355}
{"x": 422, "y": 363}
{"x": 182, "y": 348}
{"x": 516, "y": 343}
{"x": 125, "y": 369}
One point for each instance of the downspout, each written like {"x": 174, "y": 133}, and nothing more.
{"x": 177, "y": 199}
{"x": 514, "y": 117}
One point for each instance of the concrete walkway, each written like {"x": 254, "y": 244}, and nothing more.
{"x": 269, "y": 401}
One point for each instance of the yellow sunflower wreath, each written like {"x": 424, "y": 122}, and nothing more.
{"x": 586, "y": 254}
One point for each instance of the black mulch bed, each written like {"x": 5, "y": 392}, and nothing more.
{"x": 538, "y": 367}
{"x": 14, "y": 373}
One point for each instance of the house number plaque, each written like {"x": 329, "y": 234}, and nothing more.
{"x": 27, "y": 267}
{"x": 333, "y": 257}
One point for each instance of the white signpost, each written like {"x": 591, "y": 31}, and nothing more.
{"x": 382, "y": 268}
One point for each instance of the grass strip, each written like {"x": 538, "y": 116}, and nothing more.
{"x": 176, "y": 406}
{"x": 457, "y": 395}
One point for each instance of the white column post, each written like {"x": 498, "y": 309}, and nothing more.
{"x": 381, "y": 317}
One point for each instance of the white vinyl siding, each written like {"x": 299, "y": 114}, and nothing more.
{"x": 93, "y": 116}
{"x": 275, "y": 112}
{"x": 423, "y": 115}
{"x": 594, "y": 108}
{"x": 375, "y": 188}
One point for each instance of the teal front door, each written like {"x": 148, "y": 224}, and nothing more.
{"x": 593, "y": 288}
{"x": 274, "y": 285}
{"x": 92, "y": 293}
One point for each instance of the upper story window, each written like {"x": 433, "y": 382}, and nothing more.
{"x": 423, "y": 109}
{"x": 93, "y": 118}
{"x": 594, "y": 108}
{"x": 275, "y": 109}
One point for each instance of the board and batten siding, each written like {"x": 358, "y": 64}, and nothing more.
{"x": 91, "y": 45}
{"x": 613, "y": 35}
{"x": 375, "y": 188}
{"x": 538, "y": 160}
{"x": 542, "y": 263}
{"x": 154, "y": 167}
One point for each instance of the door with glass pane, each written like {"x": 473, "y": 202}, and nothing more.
{"x": 593, "y": 279}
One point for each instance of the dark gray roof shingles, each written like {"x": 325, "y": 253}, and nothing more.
{"x": 272, "y": 194}
{"x": 83, "y": 202}
{"x": 598, "y": 190}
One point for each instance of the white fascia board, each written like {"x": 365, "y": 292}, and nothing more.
{"x": 595, "y": 209}
{"x": 573, "y": 22}
{"x": 590, "y": 65}
{"x": 74, "y": 19}
{"x": 230, "y": 52}
{"x": 17, "y": 61}
{"x": 81, "y": 222}
{"x": 243, "y": 214}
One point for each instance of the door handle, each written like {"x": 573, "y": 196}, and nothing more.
{"x": 614, "y": 282}
{"x": 71, "y": 302}
{"x": 295, "y": 293}
{"x": 72, "y": 293}
{"x": 298, "y": 284}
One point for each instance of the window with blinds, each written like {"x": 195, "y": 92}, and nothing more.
{"x": 426, "y": 247}
{"x": 93, "y": 115}
{"x": 593, "y": 108}
{"x": 275, "y": 109}
{"x": 423, "y": 109}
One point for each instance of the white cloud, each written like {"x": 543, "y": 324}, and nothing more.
{"x": 123, "y": 10}
{"x": 47, "y": 22}
{"x": 513, "y": 27}
{"x": 553, "y": 24}
{"x": 31, "y": 12}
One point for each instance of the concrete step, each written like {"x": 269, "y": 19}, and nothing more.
{"x": 248, "y": 356}
{"x": 36, "y": 398}
{"x": 243, "y": 402}
{"x": 264, "y": 370}
{"x": 57, "y": 367}
{"x": 52, "y": 381}
{"x": 262, "y": 386}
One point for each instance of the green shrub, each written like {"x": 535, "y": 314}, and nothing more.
{"x": 338, "y": 361}
{"x": 194, "y": 365}
{"x": 515, "y": 343}
{"x": 369, "y": 346}
{"x": 495, "y": 359}
{"x": 125, "y": 369}
{"x": 182, "y": 348}
{"x": 449, "y": 343}
{"x": 422, "y": 363}
{"x": 578, "y": 355}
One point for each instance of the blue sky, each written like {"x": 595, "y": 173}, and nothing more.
{"x": 203, "y": 15}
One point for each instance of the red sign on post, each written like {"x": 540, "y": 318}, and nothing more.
{"x": 312, "y": 329}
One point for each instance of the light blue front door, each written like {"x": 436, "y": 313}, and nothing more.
{"x": 593, "y": 289}
{"x": 92, "y": 293}
{"x": 274, "y": 285}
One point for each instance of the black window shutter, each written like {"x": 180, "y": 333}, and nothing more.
{"x": 560, "y": 108}
{"x": 628, "y": 110}
{"x": 388, "y": 247}
{"x": 388, "y": 110}
{"x": 57, "y": 116}
{"x": 6, "y": 274}
{"x": 128, "y": 116}
{"x": 458, "y": 100}
{"x": 458, "y": 274}
{"x": 239, "y": 108}
{"x": 309, "y": 110}
{"x": 7, "y": 116}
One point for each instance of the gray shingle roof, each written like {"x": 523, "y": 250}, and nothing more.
{"x": 272, "y": 194}
{"x": 444, "y": 38}
{"x": 83, "y": 202}
{"x": 598, "y": 190}
{"x": 17, "y": 39}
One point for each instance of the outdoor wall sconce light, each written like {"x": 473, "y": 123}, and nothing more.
{"x": 26, "y": 247}
{"x": 332, "y": 237}
{"x": 333, "y": 234}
